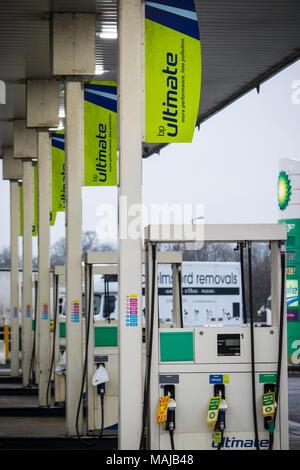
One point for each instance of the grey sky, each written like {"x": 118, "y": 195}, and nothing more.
{"x": 231, "y": 167}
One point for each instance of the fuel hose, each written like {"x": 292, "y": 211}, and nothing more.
{"x": 53, "y": 345}
{"x": 148, "y": 372}
{"x": 279, "y": 360}
{"x": 254, "y": 411}
{"x": 93, "y": 442}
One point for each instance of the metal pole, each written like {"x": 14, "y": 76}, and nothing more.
{"x": 43, "y": 316}
{"x": 73, "y": 155}
{"x": 28, "y": 216}
{"x": 130, "y": 245}
{"x": 176, "y": 285}
{"x": 14, "y": 275}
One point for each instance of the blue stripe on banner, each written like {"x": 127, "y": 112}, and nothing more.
{"x": 183, "y": 4}
{"x": 291, "y": 300}
{"x": 58, "y": 142}
{"x": 178, "y": 23}
{"x": 110, "y": 96}
{"x": 106, "y": 88}
{"x": 114, "y": 426}
{"x": 192, "y": 15}
{"x": 107, "y": 103}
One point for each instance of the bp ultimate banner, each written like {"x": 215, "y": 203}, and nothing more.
{"x": 172, "y": 70}
{"x": 58, "y": 183}
{"x": 100, "y": 133}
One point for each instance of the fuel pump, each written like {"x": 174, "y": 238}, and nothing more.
{"x": 101, "y": 343}
{"x": 100, "y": 377}
{"x": 217, "y": 366}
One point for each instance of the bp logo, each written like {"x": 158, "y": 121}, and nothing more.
{"x": 284, "y": 190}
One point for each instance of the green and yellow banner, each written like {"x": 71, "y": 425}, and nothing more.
{"x": 35, "y": 199}
{"x": 100, "y": 133}
{"x": 172, "y": 70}
{"x": 58, "y": 184}
{"x": 21, "y": 208}
{"x": 35, "y": 202}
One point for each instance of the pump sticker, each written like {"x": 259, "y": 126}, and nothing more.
{"x": 217, "y": 437}
{"x": 219, "y": 379}
{"x": 44, "y": 313}
{"x": 213, "y": 411}
{"x": 162, "y": 409}
{"x": 27, "y": 313}
{"x": 75, "y": 311}
{"x": 15, "y": 314}
{"x": 132, "y": 310}
{"x": 267, "y": 378}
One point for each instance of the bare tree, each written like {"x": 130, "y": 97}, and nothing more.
{"x": 5, "y": 258}
{"x": 90, "y": 242}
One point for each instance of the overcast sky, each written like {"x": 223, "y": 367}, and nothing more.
{"x": 231, "y": 167}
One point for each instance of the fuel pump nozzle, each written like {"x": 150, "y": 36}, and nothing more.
{"x": 166, "y": 411}
{"x": 220, "y": 424}
{"x": 171, "y": 420}
{"x": 216, "y": 414}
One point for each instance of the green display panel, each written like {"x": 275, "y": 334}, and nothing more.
{"x": 62, "y": 329}
{"x": 176, "y": 346}
{"x": 292, "y": 285}
{"x": 106, "y": 336}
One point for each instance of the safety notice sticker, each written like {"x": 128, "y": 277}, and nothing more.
{"x": 75, "y": 311}
{"x": 44, "y": 313}
{"x": 268, "y": 405}
{"x": 132, "y": 310}
{"x": 162, "y": 409}
{"x": 27, "y": 313}
{"x": 213, "y": 411}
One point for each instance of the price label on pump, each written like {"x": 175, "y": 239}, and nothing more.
{"x": 213, "y": 411}
{"x": 162, "y": 410}
{"x": 268, "y": 405}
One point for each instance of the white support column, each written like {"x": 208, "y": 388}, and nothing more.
{"x": 130, "y": 249}
{"x": 74, "y": 327}
{"x": 14, "y": 276}
{"x": 43, "y": 312}
{"x": 27, "y": 221}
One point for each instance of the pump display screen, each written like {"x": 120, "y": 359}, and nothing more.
{"x": 228, "y": 345}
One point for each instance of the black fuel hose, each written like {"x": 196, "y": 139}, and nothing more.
{"x": 88, "y": 443}
{"x": 171, "y": 431}
{"x": 279, "y": 360}
{"x": 252, "y": 348}
{"x": 180, "y": 297}
{"x": 148, "y": 372}
{"x": 53, "y": 345}
{"x": 32, "y": 362}
{"x": 242, "y": 244}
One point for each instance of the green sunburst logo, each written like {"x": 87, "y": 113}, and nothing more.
{"x": 284, "y": 190}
